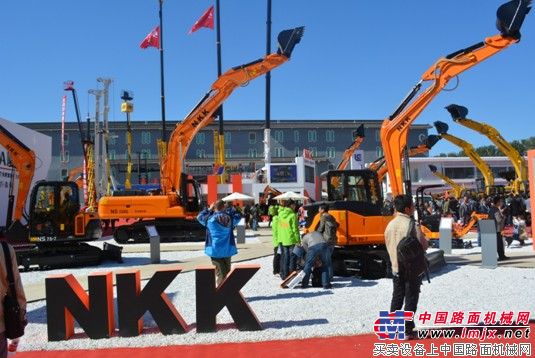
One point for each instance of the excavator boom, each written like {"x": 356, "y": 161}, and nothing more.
{"x": 203, "y": 113}
{"x": 442, "y": 129}
{"x": 459, "y": 114}
{"x": 394, "y": 130}
{"x": 457, "y": 188}
{"x": 23, "y": 159}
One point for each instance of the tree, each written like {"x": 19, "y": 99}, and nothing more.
{"x": 522, "y": 146}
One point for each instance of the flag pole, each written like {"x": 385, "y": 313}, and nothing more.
{"x": 267, "y": 128}
{"x": 162, "y": 87}
{"x": 221, "y": 139}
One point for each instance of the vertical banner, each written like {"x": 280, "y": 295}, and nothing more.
{"x": 63, "y": 108}
{"x": 357, "y": 160}
{"x": 531, "y": 180}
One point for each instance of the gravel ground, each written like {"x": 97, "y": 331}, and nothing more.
{"x": 129, "y": 260}
{"x": 350, "y": 307}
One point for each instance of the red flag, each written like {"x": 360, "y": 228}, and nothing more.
{"x": 152, "y": 39}
{"x": 206, "y": 20}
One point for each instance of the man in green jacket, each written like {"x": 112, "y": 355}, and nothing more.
{"x": 288, "y": 236}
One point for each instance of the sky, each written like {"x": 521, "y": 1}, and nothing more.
{"x": 357, "y": 60}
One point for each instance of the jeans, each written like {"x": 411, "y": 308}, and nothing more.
{"x": 407, "y": 291}
{"x": 276, "y": 260}
{"x": 288, "y": 261}
{"x": 331, "y": 270}
{"x": 324, "y": 253}
{"x": 501, "y": 250}
{"x": 254, "y": 224}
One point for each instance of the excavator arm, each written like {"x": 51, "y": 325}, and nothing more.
{"x": 380, "y": 167}
{"x": 442, "y": 129}
{"x": 346, "y": 157}
{"x": 458, "y": 189}
{"x": 23, "y": 159}
{"x": 394, "y": 130}
{"x": 203, "y": 114}
{"x": 459, "y": 114}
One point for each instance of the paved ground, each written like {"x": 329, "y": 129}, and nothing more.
{"x": 522, "y": 258}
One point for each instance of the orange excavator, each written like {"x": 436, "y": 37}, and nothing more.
{"x": 55, "y": 230}
{"x": 356, "y": 202}
{"x": 173, "y": 210}
{"x": 23, "y": 160}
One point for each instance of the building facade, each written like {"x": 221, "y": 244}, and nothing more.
{"x": 326, "y": 139}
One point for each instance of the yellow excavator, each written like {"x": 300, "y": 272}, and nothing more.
{"x": 458, "y": 189}
{"x": 520, "y": 184}
{"x": 489, "y": 187}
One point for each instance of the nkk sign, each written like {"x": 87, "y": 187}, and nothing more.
{"x": 66, "y": 301}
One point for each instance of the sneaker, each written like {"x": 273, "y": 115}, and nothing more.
{"x": 328, "y": 287}
{"x": 503, "y": 258}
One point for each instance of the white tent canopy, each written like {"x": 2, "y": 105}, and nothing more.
{"x": 237, "y": 196}
{"x": 290, "y": 195}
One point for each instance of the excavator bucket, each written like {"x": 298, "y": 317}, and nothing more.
{"x": 288, "y": 39}
{"x": 511, "y": 16}
{"x": 359, "y": 132}
{"x": 442, "y": 128}
{"x": 433, "y": 168}
{"x": 457, "y": 112}
{"x": 431, "y": 140}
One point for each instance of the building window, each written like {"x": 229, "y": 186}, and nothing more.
{"x": 66, "y": 138}
{"x": 145, "y": 153}
{"x": 312, "y": 135}
{"x": 145, "y": 137}
{"x": 330, "y": 152}
{"x": 297, "y": 151}
{"x": 228, "y": 138}
{"x": 313, "y": 151}
{"x": 415, "y": 175}
{"x": 252, "y": 137}
{"x": 296, "y": 136}
{"x": 65, "y": 157}
{"x": 228, "y": 152}
{"x": 201, "y": 153}
{"x": 279, "y": 136}
{"x": 377, "y": 135}
{"x": 378, "y": 152}
{"x": 253, "y": 153}
{"x": 200, "y": 138}
{"x": 111, "y": 154}
{"x": 112, "y": 139}
{"x": 329, "y": 136}
{"x": 279, "y": 152}
{"x": 460, "y": 173}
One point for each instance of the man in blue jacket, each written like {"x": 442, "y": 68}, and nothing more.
{"x": 220, "y": 244}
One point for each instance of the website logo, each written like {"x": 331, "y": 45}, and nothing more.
{"x": 391, "y": 325}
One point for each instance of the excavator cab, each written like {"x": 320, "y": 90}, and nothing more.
{"x": 53, "y": 209}
{"x": 190, "y": 193}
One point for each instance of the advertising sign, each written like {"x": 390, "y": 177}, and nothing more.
{"x": 283, "y": 173}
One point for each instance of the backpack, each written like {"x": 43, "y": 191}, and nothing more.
{"x": 412, "y": 262}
